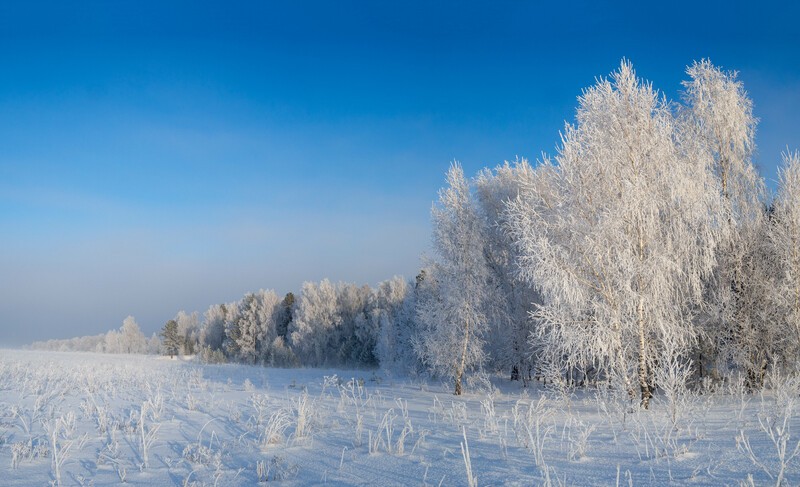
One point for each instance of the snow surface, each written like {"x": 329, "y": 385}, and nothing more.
{"x": 208, "y": 425}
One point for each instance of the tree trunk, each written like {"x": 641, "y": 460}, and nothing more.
{"x": 463, "y": 364}
{"x": 700, "y": 363}
{"x": 643, "y": 384}
{"x": 643, "y": 374}
{"x": 622, "y": 368}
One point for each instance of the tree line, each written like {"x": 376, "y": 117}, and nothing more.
{"x": 646, "y": 251}
{"x": 650, "y": 248}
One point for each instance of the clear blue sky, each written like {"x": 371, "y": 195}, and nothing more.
{"x": 159, "y": 156}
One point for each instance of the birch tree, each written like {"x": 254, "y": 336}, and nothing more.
{"x": 188, "y": 330}
{"x": 269, "y": 314}
{"x": 510, "y": 300}
{"x": 784, "y": 237}
{"x": 615, "y": 234}
{"x": 723, "y": 116}
{"x": 315, "y": 321}
{"x": 453, "y": 323}
{"x": 212, "y": 331}
{"x": 132, "y": 338}
{"x": 719, "y": 117}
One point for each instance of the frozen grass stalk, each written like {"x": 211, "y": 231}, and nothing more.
{"x": 277, "y": 424}
{"x": 262, "y": 471}
{"x": 472, "y": 481}
{"x": 303, "y": 411}
{"x": 148, "y": 435}
{"x": 776, "y": 424}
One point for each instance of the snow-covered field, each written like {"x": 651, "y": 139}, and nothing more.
{"x": 91, "y": 419}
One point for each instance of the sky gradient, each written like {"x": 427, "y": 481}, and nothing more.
{"x": 157, "y": 158}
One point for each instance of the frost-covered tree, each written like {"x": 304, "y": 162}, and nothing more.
{"x": 314, "y": 322}
{"x": 719, "y": 117}
{"x": 153, "y": 345}
{"x": 230, "y": 344}
{"x": 285, "y": 317}
{"x": 247, "y": 328}
{"x": 170, "y": 339}
{"x": 270, "y": 314}
{"x": 453, "y": 324}
{"x": 252, "y": 326}
{"x": 212, "y": 331}
{"x": 353, "y": 340}
{"x": 784, "y": 237}
{"x": 395, "y": 318}
{"x": 132, "y": 339}
{"x": 93, "y": 343}
{"x": 113, "y": 342}
{"x": 128, "y": 339}
{"x": 281, "y": 354}
{"x": 365, "y": 331}
{"x": 723, "y": 119}
{"x": 751, "y": 341}
{"x": 615, "y": 234}
{"x": 351, "y": 302}
{"x": 511, "y": 300}
{"x": 188, "y": 331}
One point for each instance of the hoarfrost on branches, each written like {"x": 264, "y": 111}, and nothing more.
{"x": 615, "y": 234}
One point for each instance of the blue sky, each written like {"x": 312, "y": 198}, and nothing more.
{"x": 159, "y": 157}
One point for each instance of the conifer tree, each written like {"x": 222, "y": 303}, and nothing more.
{"x": 170, "y": 339}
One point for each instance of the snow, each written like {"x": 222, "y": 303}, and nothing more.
{"x": 208, "y": 426}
